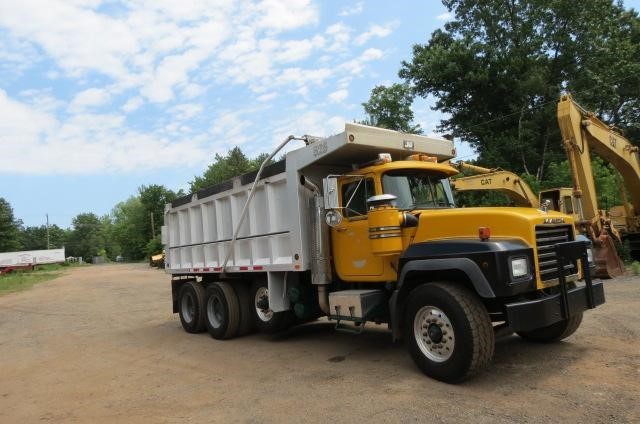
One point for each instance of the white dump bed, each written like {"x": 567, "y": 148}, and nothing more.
{"x": 276, "y": 232}
{"x": 32, "y": 257}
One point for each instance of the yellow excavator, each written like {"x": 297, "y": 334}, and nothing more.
{"x": 582, "y": 132}
{"x": 517, "y": 190}
{"x": 495, "y": 179}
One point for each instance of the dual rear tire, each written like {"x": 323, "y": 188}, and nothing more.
{"x": 228, "y": 310}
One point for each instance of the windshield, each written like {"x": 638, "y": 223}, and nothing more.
{"x": 416, "y": 189}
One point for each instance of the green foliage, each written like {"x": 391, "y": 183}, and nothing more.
{"x": 604, "y": 175}
{"x": 390, "y": 107}
{"x": 154, "y": 246}
{"x": 35, "y": 238}
{"x": 635, "y": 268}
{"x": 129, "y": 228}
{"x": 234, "y": 163}
{"x": 21, "y": 280}
{"x": 498, "y": 68}
{"x": 87, "y": 237}
{"x": 9, "y": 228}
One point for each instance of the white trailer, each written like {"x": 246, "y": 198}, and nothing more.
{"x": 361, "y": 227}
{"x": 32, "y": 257}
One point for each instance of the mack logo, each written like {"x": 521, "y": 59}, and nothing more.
{"x": 554, "y": 220}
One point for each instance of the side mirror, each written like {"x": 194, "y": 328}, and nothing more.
{"x": 330, "y": 190}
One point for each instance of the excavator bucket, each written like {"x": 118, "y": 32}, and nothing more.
{"x": 608, "y": 263}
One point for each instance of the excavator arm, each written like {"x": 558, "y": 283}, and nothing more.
{"x": 582, "y": 131}
{"x": 505, "y": 182}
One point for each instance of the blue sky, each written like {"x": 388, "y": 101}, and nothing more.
{"x": 100, "y": 97}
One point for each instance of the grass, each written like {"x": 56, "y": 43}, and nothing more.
{"x": 24, "y": 279}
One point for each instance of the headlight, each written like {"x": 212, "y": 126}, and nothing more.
{"x": 590, "y": 255}
{"x": 519, "y": 267}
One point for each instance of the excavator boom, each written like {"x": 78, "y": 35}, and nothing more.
{"x": 505, "y": 182}
{"x": 582, "y": 132}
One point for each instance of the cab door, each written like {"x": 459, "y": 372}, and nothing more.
{"x": 350, "y": 240}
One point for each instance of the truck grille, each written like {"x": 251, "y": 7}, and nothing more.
{"x": 546, "y": 238}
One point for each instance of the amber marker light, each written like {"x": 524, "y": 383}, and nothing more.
{"x": 484, "y": 233}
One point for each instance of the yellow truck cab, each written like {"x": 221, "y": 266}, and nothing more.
{"x": 362, "y": 227}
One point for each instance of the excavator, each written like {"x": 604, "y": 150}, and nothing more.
{"x": 495, "y": 179}
{"x": 582, "y": 132}
{"x": 517, "y": 190}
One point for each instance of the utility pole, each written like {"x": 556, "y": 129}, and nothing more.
{"x": 153, "y": 227}
{"x": 48, "y": 244}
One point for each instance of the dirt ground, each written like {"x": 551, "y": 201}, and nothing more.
{"x": 100, "y": 344}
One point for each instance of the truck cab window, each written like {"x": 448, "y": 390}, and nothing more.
{"x": 415, "y": 189}
{"x": 358, "y": 191}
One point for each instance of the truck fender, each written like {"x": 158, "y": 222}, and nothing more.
{"x": 464, "y": 265}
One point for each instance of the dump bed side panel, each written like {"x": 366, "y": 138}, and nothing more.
{"x": 198, "y": 233}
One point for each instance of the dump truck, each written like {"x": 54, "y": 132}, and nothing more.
{"x": 361, "y": 227}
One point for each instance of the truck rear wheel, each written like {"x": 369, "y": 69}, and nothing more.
{"x": 449, "y": 332}
{"x": 222, "y": 312}
{"x": 245, "y": 301}
{"x": 554, "y": 332}
{"x": 191, "y": 299}
{"x": 264, "y": 318}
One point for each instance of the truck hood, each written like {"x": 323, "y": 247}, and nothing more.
{"x": 504, "y": 222}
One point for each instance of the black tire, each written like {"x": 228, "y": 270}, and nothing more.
{"x": 432, "y": 311}
{"x": 245, "y": 301}
{"x": 221, "y": 311}
{"x": 554, "y": 332}
{"x": 191, "y": 299}
{"x": 267, "y": 321}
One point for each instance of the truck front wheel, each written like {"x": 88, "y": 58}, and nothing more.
{"x": 449, "y": 332}
{"x": 222, "y": 312}
{"x": 554, "y": 332}
{"x": 190, "y": 307}
{"x": 266, "y": 319}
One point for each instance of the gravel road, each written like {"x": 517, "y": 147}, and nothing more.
{"x": 100, "y": 344}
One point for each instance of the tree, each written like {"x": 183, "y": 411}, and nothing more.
{"x": 390, "y": 107}
{"x": 130, "y": 229}
{"x": 226, "y": 167}
{"x": 9, "y": 228}
{"x": 87, "y": 237}
{"x": 499, "y": 67}
{"x": 35, "y": 238}
{"x": 153, "y": 199}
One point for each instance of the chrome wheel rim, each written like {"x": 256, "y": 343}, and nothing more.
{"x": 188, "y": 307}
{"x": 434, "y": 333}
{"x": 215, "y": 311}
{"x": 264, "y": 314}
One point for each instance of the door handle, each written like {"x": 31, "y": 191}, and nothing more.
{"x": 340, "y": 229}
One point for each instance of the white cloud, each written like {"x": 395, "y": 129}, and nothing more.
{"x": 133, "y": 104}
{"x": 356, "y": 9}
{"x": 37, "y": 143}
{"x": 286, "y": 14}
{"x": 267, "y": 97}
{"x": 444, "y": 16}
{"x": 379, "y": 31}
{"x": 340, "y": 35}
{"x": 356, "y": 66}
{"x": 338, "y": 95}
{"x": 89, "y": 98}
{"x": 167, "y": 55}
{"x": 186, "y": 111}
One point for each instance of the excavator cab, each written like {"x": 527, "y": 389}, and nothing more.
{"x": 560, "y": 199}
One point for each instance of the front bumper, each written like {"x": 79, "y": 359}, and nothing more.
{"x": 538, "y": 313}
{"x": 547, "y": 310}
